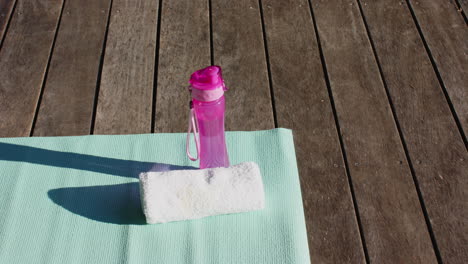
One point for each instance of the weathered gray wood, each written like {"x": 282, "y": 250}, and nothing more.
{"x": 434, "y": 143}
{"x": 393, "y": 222}
{"x": 302, "y": 104}
{"x": 23, "y": 62}
{"x": 184, "y": 47}
{"x": 446, "y": 35}
{"x": 6, "y": 8}
{"x": 68, "y": 97}
{"x": 125, "y": 95}
{"x": 239, "y": 50}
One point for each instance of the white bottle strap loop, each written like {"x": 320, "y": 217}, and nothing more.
{"x": 193, "y": 125}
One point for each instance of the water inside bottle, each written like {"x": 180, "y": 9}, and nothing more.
{"x": 213, "y": 152}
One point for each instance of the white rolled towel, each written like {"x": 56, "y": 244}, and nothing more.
{"x": 191, "y": 194}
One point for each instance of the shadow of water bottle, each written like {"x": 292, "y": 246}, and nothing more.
{"x": 116, "y": 204}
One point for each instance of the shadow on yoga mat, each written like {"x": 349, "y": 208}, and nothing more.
{"x": 118, "y": 167}
{"x": 117, "y": 204}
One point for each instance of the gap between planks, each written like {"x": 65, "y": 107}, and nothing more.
{"x": 338, "y": 131}
{"x": 101, "y": 62}
{"x": 44, "y": 78}
{"x": 267, "y": 57}
{"x": 156, "y": 67}
{"x": 437, "y": 73}
{"x": 10, "y": 15}
{"x": 403, "y": 141}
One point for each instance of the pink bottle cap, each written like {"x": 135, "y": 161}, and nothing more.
{"x": 207, "y": 84}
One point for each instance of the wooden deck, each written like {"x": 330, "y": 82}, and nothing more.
{"x": 375, "y": 91}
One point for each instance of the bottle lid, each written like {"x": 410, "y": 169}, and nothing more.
{"x": 207, "y": 84}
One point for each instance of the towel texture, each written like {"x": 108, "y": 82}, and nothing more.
{"x": 191, "y": 194}
{"x": 76, "y": 200}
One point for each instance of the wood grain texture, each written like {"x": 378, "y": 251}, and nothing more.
{"x": 125, "y": 95}
{"x": 446, "y": 35}
{"x": 239, "y": 50}
{"x": 6, "y": 8}
{"x": 68, "y": 98}
{"x": 23, "y": 62}
{"x": 434, "y": 143}
{"x": 184, "y": 47}
{"x": 302, "y": 104}
{"x": 393, "y": 222}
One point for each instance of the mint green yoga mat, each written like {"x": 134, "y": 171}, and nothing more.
{"x": 76, "y": 200}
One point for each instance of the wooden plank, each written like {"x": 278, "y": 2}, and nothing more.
{"x": 68, "y": 98}
{"x": 184, "y": 47}
{"x": 434, "y": 143}
{"x": 447, "y": 37}
{"x": 239, "y": 49}
{"x": 6, "y": 8}
{"x": 302, "y": 104}
{"x": 393, "y": 222}
{"x": 125, "y": 95}
{"x": 23, "y": 62}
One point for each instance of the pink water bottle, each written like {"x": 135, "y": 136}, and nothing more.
{"x": 207, "y": 117}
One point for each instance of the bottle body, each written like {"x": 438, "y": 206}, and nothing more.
{"x": 210, "y": 117}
